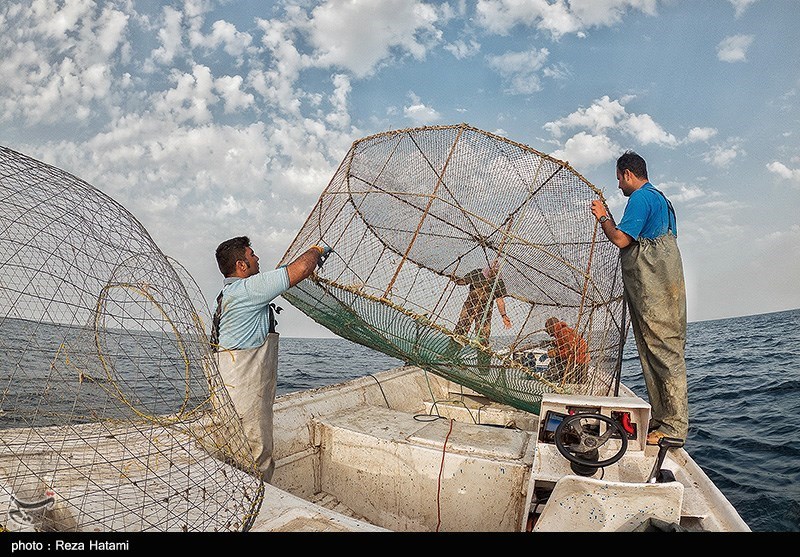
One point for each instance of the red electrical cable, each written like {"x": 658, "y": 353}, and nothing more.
{"x": 439, "y": 486}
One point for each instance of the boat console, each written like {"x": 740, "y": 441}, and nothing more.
{"x": 593, "y": 470}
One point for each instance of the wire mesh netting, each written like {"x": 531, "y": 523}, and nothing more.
{"x": 437, "y": 231}
{"x": 112, "y": 413}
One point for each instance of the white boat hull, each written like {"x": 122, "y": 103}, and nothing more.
{"x": 406, "y": 450}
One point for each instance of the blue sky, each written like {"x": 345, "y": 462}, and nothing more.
{"x": 210, "y": 119}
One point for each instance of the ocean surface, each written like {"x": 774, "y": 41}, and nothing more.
{"x": 744, "y": 403}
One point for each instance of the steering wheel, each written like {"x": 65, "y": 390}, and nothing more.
{"x": 580, "y": 446}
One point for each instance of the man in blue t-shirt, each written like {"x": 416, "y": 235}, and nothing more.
{"x": 655, "y": 292}
{"x": 245, "y": 341}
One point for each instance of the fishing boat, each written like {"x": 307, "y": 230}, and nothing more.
{"x": 115, "y": 417}
{"x": 401, "y": 450}
{"x": 406, "y": 450}
{"x": 479, "y": 431}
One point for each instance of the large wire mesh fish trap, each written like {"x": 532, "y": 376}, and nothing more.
{"x": 417, "y": 216}
{"x": 113, "y": 416}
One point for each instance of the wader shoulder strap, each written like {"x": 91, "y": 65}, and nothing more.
{"x": 670, "y": 211}
{"x": 215, "y": 324}
{"x": 273, "y": 309}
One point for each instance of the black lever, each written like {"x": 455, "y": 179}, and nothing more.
{"x": 657, "y": 475}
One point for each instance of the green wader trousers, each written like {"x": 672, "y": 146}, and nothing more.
{"x": 655, "y": 291}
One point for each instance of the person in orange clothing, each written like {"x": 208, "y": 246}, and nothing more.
{"x": 569, "y": 353}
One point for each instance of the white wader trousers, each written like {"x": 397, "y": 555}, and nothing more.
{"x": 250, "y": 377}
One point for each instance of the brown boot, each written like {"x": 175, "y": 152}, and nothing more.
{"x": 655, "y": 436}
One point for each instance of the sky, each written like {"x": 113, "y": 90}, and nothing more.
{"x": 211, "y": 119}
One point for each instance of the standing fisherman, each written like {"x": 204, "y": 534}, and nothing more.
{"x": 245, "y": 340}
{"x": 652, "y": 276}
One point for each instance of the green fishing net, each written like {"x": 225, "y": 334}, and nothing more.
{"x": 415, "y": 215}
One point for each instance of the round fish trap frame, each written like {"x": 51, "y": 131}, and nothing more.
{"x": 413, "y": 214}
{"x": 113, "y": 416}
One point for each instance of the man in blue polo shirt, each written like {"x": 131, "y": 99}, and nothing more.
{"x": 655, "y": 292}
{"x": 244, "y": 338}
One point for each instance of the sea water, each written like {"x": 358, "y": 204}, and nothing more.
{"x": 744, "y": 403}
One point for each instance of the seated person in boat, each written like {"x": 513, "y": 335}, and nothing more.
{"x": 568, "y": 353}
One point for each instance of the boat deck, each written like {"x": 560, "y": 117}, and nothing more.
{"x": 446, "y": 458}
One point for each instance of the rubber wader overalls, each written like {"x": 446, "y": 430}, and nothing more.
{"x": 652, "y": 275}
{"x": 250, "y": 377}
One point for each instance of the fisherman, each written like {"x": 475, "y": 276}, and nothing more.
{"x": 569, "y": 354}
{"x": 245, "y": 340}
{"x": 655, "y": 292}
{"x": 485, "y": 286}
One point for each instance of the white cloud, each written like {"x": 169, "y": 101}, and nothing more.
{"x": 339, "y": 117}
{"x": 170, "y": 37}
{"x": 463, "y": 49}
{"x": 708, "y": 218}
{"x": 557, "y": 18}
{"x": 700, "y": 134}
{"x": 679, "y": 192}
{"x": 646, "y": 131}
{"x": 276, "y": 83}
{"x": 341, "y": 39}
{"x": 229, "y": 207}
{"x": 109, "y": 31}
{"x": 599, "y": 124}
{"x": 558, "y": 71}
{"x": 151, "y": 166}
{"x": 420, "y": 114}
{"x": 721, "y": 156}
{"x": 448, "y": 12}
{"x": 790, "y": 237}
{"x": 519, "y": 69}
{"x": 586, "y": 150}
{"x": 783, "y": 171}
{"x": 58, "y": 60}
{"x": 191, "y": 97}
{"x": 741, "y": 5}
{"x": 230, "y": 89}
{"x": 734, "y": 48}
{"x": 308, "y": 153}
{"x": 601, "y": 115}
{"x": 609, "y": 12}
{"x": 224, "y": 34}
{"x": 57, "y": 19}
{"x": 500, "y": 16}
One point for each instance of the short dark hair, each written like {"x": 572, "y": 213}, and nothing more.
{"x": 231, "y": 251}
{"x": 633, "y": 162}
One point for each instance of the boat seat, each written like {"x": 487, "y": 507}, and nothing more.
{"x": 581, "y": 504}
{"x": 411, "y": 472}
